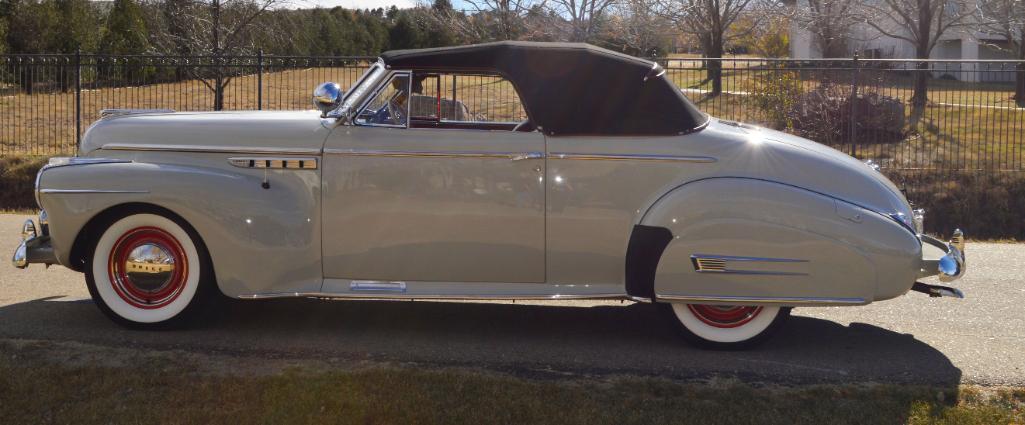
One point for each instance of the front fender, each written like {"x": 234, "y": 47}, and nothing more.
{"x": 750, "y": 241}
{"x": 260, "y": 240}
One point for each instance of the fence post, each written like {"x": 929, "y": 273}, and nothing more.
{"x": 259, "y": 80}
{"x": 78, "y": 100}
{"x": 854, "y": 106}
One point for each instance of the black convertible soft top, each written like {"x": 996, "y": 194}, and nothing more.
{"x": 571, "y": 88}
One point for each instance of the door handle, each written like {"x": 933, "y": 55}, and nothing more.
{"x": 527, "y": 155}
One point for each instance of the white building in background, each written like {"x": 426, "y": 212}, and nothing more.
{"x": 955, "y": 44}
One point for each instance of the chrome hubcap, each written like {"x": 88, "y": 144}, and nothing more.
{"x": 149, "y": 267}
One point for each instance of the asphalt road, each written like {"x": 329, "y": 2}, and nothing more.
{"x": 912, "y": 339}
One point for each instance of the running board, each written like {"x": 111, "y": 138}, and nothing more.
{"x": 937, "y": 290}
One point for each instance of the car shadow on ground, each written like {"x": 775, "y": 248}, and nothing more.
{"x": 557, "y": 340}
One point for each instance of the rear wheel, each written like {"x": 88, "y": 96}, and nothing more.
{"x": 149, "y": 271}
{"x": 727, "y": 327}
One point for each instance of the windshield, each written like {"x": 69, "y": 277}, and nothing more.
{"x": 367, "y": 81}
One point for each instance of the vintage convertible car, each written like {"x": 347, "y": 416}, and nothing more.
{"x": 506, "y": 170}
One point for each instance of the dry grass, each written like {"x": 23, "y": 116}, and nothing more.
{"x": 164, "y": 389}
{"x": 947, "y": 137}
{"x": 17, "y": 181}
{"x": 742, "y": 76}
{"x": 44, "y": 124}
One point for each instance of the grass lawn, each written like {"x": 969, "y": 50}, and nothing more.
{"x": 987, "y": 128}
{"x": 742, "y": 76}
{"x": 164, "y": 389}
{"x": 948, "y": 137}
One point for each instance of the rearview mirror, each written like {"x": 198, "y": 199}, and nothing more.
{"x": 327, "y": 97}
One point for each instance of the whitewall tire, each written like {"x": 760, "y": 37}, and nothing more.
{"x": 147, "y": 270}
{"x": 727, "y": 327}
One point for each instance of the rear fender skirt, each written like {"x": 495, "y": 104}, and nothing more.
{"x": 642, "y": 255}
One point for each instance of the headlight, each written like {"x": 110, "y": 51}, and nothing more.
{"x": 871, "y": 164}
{"x": 907, "y": 222}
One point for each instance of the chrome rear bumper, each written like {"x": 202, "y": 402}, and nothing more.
{"x": 34, "y": 249}
{"x": 945, "y": 259}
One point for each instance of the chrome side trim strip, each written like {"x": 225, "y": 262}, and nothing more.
{"x": 288, "y": 163}
{"x": 631, "y": 157}
{"x": 406, "y": 296}
{"x": 752, "y": 272}
{"x": 774, "y": 300}
{"x": 712, "y": 263}
{"x": 757, "y": 259}
{"x": 377, "y": 286}
{"x": 209, "y": 149}
{"x": 92, "y": 191}
{"x": 438, "y": 154}
{"x": 107, "y": 113}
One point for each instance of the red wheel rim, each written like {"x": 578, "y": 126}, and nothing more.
{"x": 147, "y": 267}
{"x": 724, "y": 316}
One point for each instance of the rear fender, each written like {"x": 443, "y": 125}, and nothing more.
{"x": 748, "y": 241}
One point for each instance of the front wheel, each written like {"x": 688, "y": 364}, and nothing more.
{"x": 150, "y": 271}
{"x": 727, "y": 327}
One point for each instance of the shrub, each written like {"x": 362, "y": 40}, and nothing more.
{"x": 983, "y": 205}
{"x": 17, "y": 181}
{"x": 825, "y": 114}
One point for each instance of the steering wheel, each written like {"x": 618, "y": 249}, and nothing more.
{"x": 525, "y": 126}
{"x": 397, "y": 116}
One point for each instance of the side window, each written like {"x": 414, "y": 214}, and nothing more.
{"x": 389, "y": 106}
{"x": 464, "y": 101}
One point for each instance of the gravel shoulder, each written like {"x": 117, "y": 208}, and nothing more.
{"x": 912, "y": 339}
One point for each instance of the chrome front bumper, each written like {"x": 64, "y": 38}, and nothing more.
{"x": 34, "y": 248}
{"x": 945, "y": 259}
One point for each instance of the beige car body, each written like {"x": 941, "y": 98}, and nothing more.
{"x": 729, "y": 213}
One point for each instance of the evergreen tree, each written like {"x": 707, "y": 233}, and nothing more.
{"x": 76, "y": 27}
{"x": 125, "y": 32}
{"x": 3, "y": 34}
{"x": 405, "y": 33}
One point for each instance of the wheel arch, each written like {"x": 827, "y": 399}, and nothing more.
{"x": 95, "y": 226}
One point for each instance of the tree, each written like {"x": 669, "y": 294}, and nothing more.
{"x": 1006, "y": 19}
{"x": 583, "y": 16}
{"x": 491, "y": 20}
{"x": 637, "y": 29}
{"x": 771, "y": 39}
{"x": 125, "y": 31}
{"x": 829, "y": 22}
{"x": 77, "y": 27}
{"x": 3, "y": 35}
{"x": 215, "y": 29}
{"x": 712, "y": 23}
{"x": 921, "y": 23}
{"x": 438, "y": 34}
{"x": 404, "y": 33}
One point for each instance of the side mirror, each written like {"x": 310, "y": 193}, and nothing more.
{"x": 327, "y": 97}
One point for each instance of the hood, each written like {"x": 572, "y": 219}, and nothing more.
{"x": 272, "y": 130}
{"x": 777, "y": 156}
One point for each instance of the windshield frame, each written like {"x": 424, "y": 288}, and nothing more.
{"x": 359, "y": 90}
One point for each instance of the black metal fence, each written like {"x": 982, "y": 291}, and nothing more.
{"x": 969, "y": 121}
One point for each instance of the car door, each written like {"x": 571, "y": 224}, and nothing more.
{"x": 440, "y": 198}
